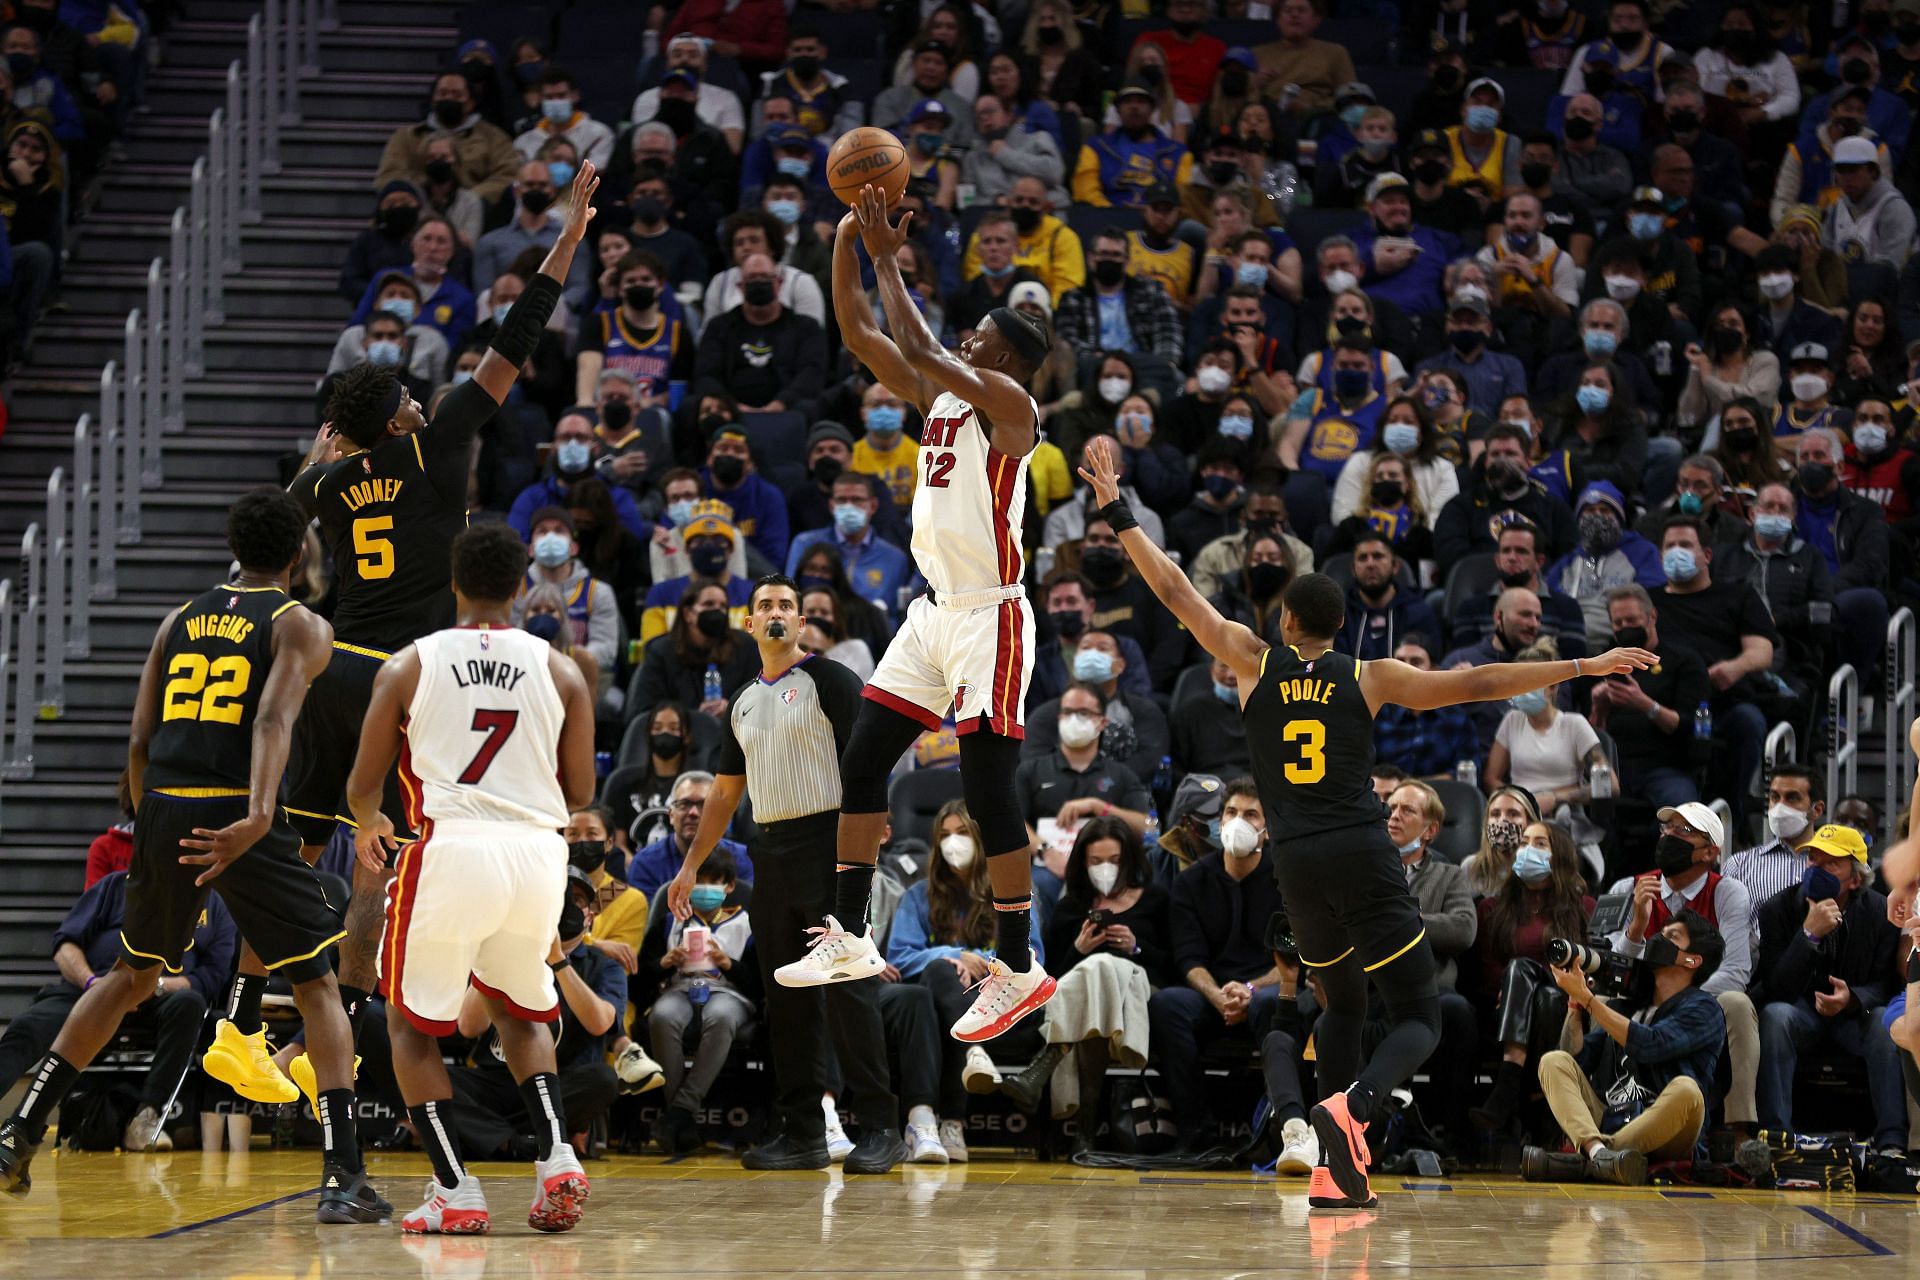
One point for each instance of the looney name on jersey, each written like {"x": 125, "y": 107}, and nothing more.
{"x": 222, "y": 626}
{"x": 941, "y": 433}
{"x": 1303, "y": 690}
{"x": 488, "y": 671}
{"x": 374, "y": 490}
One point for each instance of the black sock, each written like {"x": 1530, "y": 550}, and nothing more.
{"x": 354, "y": 1001}
{"x": 1013, "y": 932}
{"x": 442, "y": 1147}
{"x": 243, "y": 1006}
{"x": 542, "y": 1092}
{"x": 337, "y": 1133}
{"x": 51, "y": 1081}
{"x": 1360, "y": 1101}
{"x": 852, "y": 886}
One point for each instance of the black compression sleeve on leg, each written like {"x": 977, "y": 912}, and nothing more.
{"x": 1410, "y": 988}
{"x": 987, "y": 765}
{"x": 880, "y": 736}
{"x": 528, "y": 319}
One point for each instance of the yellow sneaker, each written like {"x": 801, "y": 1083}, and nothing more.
{"x": 244, "y": 1065}
{"x": 301, "y": 1069}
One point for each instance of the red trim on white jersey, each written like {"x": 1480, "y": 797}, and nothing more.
{"x": 518, "y": 1011}
{"x": 912, "y": 711}
{"x": 401, "y": 896}
{"x": 1002, "y": 712}
{"x": 1002, "y": 472}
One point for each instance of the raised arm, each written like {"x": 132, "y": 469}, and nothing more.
{"x": 1228, "y": 641}
{"x": 501, "y": 365}
{"x": 1385, "y": 680}
{"x": 857, "y": 329}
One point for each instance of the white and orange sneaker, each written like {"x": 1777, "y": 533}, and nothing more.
{"x": 1004, "y": 998}
{"x": 1343, "y": 1146}
{"x": 833, "y": 956}
{"x": 456, "y": 1211}
{"x": 560, "y": 1188}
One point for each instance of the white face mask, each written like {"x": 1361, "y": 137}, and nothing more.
{"x": 1114, "y": 390}
{"x": 1622, "y": 288}
{"x": 1213, "y": 379}
{"x": 1339, "y": 282}
{"x": 1808, "y": 386}
{"x": 1239, "y": 837}
{"x": 1786, "y": 822}
{"x": 1078, "y": 730}
{"x": 1105, "y": 877}
{"x": 958, "y": 851}
{"x": 1776, "y": 285}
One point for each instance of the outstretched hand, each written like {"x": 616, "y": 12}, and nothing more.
{"x": 1619, "y": 662}
{"x": 1105, "y": 476}
{"x": 218, "y": 849}
{"x": 580, "y": 212}
{"x": 882, "y": 238}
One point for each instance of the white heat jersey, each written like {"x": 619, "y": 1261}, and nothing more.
{"x": 969, "y": 504}
{"x": 483, "y": 731}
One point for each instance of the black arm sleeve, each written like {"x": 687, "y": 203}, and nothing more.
{"x": 839, "y": 692}
{"x": 446, "y": 443}
{"x": 305, "y": 489}
{"x": 527, "y": 320}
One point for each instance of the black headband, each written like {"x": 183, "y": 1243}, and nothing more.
{"x": 391, "y": 405}
{"x": 1021, "y": 333}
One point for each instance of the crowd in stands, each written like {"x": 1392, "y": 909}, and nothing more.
{"x": 1543, "y": 327}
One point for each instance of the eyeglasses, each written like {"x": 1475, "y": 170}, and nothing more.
{"x": 681, "y": 806}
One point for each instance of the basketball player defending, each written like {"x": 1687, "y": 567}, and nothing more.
{"x": 494, "y": 733}
{"x": 1309, "y": 716}
{"x": 967, "y": 644}
{"x": 223, "y": 682}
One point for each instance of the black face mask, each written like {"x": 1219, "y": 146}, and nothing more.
{"x": 667, "y": 745}
{"x": 649, "y": 210}
{"x": 826, "y": 471}
{"x": 639, "y": 297}
{"x": 1108, "y": 273}
{"x": 1387, "y": 493}
{"x": 805, "y": 67}
{"x": 758, "y": 293}
{"x": 1264, "y": 581}
{"x": 708, "y": 562}
{"x": 1578, "y": 129}
{"x": 448, "y": 113}
{"x": 1466, "y": 341}
{"x": 1661, "y": 953}
{"x": 1186, "y": 28}
{"x": 1626, "y": 41}
{"x": 616, "y": 414}
{"x": 1430, "y": 172}
{"x": 1683, "y": 121}
{"x": 1222, "y": 172}
{"x": 440, "y": 171}
{"x": 711, "y": 424}
{"x": 1350, "y": 326}
{"x": 1104, "y": 566}
{"x": 1673, "y": 855}
{"x": 573, "y": 921}
{"x": 712, "y": 623}
{"x": 1630, "y": 637}
{"x": 536, "y": 202}
{"x": 1536, "y": 175}
{"x": 588, "y": 855}
{"x": 727, "y": 470}
{"x": 1508, "y": 479}
{"x": 1856, "y": 71}
{"x": 823, "y": 625}
{"x": 1069, "y": 623}
{"x": 398, "y": 222}
{"x": 1233, "y": 80}
{"x": 1725, "y": 340}
{"x": 1815, "y": 478}
{"x": 1025, "y": 220}
{"x": 1152, "y": 75}
{"x": 1446, "y": 78}
{"x": 1741, "y": 44}
{"x": 678, "y": 115}
{"x": 1843, "y": 126}
{"x": 1743, "y": 440}
{"x": 1053, "y": 35}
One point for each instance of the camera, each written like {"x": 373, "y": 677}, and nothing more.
{"x": 1280, "y": 937}
{"x": 1608, "y": 972}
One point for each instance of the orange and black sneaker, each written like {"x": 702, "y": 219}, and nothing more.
{"x": 1343, "y": 1146}
{"x": 1324, "y": 1193}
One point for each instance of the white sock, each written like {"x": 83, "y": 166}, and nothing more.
{"x": 922, "y": 1116}
{"x": 832, "y": 1112}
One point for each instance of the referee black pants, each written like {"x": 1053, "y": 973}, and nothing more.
{"x": 792, "y": 890}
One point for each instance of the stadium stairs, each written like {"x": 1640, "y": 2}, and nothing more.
{"x": 254, "y": 404}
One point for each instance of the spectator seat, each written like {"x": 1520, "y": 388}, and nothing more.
{"x": 915, "y": 797}
{"x": 1192, "y": 682}
{"x": 1087, "y": 220}
{"x": 1470, "y": 578}
{"x": 1309, "y": 226}
{"x": 1459, "y": 837}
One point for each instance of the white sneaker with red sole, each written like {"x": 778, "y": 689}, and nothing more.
{"x": 455, "y": 1211}
{"x": 561, "y": 1189}
{"x": 1004, "y": 997}
{"x": 833, "y": 956}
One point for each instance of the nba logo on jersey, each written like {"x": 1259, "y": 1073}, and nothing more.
{"x": 486, "y": 641}
{"x": 233, "y": 602}
{"x": 366, "y": 464}
{"x": 788, "y": 695}
{"x": 1308, "y": 667}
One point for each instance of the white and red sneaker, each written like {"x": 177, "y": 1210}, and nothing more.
{"x": 560, "y": 1188}
{"x": 1004, "y": 998}
{"x": 833, "y": 956}
{"x": 456, "y": 1211}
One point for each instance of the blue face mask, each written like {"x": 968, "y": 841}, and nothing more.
{"x": 885, "y": 420}
{"x": 1226, "y": 693}
{"x": 1691, "y": 504}
{"x": 707, "y": 898}
{"x": 788, "y": 211}
{"x": 1353, "y": 115}
{"x": 929, "y": 143}
{"x": 383, "y": 353}
{"x": 680, "y": 512}
{"x": 461, "y": 376}
{"x": 1593, "y": 399}
{"x": 1483, "y": 119}
{"x": 500, "y": 313}
{"x": 849, "y": 519}
{"x": 544, "y": 625}
{"x": 1819, "y": 884}
{"x": 1679, "y": 564}
{"x": 552, "y": 549}
{"x": 1531, "y": 703}
{"x": 1646, "y": 226}
{"x": 1095, "y": 666}
{"x": 573, "y": 456}
{"x": 1773, "y": 527}
{"x": 402, "y": 307}
{"x": 1351, "y": 384}
{"x": 1213, "y": 830}
{"x": 1401, "y": 437}
{"x": 561, "y": 172}
{"x": 1599, "y": 342}
{"x": 1236, "y": 426}
{"x": 996, "y": 273}
{"x": 556, "y": 110}
{"x": 794, "y": 167}
{"x": 1219, "y": 486}
{"x": 1253, "y": 274}
{"x": 1532, "y": 865}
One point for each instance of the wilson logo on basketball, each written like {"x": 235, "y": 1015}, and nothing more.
{"x": 872, "y": 161}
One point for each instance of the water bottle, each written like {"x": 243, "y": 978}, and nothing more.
{"x": 602, "y": 763}
{"x": 712, "y": 691}
{"x": 1600, "y": 781}
{"x": 1703, "y": 723}
{"x": 1163, "y": 776}
{"x": 1467, "y": 771}
{"x": 698, "y": 992}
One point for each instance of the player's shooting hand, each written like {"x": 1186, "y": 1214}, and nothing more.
{"x": 882, "y": 238}
{"x": 580, "y": 213}
{"x": 220, "y": 848}
{"x": 1619, "y": 661}
{"x": 1105, "y": 475}
{"x": 374, "y": 841}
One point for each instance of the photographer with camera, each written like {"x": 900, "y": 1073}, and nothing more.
{"x": 1689, "y": 845}
{"x": 1637, "y": 1086}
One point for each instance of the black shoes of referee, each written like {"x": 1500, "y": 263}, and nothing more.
{"x": 876, "y": 1152}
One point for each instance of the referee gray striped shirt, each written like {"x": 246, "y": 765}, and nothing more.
{"x": 786, "y": 736}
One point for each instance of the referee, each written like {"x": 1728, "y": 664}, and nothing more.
{"x": 785, "y": 730}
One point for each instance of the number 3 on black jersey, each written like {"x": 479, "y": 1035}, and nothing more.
{"x": 190, "y": 697}
{"x": 1311, "y": 735}
{"x": 375, "y": 554}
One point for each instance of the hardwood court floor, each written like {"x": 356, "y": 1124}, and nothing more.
{"x": 249, "y": 1216}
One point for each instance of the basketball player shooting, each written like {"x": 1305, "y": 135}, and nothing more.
{"x": 1309, "y": 715}
{"x": 967, "y": 644}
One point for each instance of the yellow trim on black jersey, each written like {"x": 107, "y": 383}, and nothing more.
{"x": 363, "y": 652}
{"x": 197, "y": 793}
{"x": 161, "y": 960}
{"x": 230, "y": 586}
{"x": 415, "y": 437}
{"x": 291, "y": 604}
{"x": 279, "y": 964}
{"x": 1328, "y": 964}
{"x": 1381, "y": 964}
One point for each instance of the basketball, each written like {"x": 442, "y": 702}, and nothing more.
{"x": 866, "y": 155}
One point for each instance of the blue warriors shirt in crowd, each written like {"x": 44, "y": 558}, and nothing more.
{"x": 655, "y": 358}
{"x": 1338, "y": 432}
{"x": 1310, "y": 733}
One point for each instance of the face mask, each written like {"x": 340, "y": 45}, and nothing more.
{"x": 1213, "y": 380}
{"x": 1742, "y": 439}
{"x": 1725, "y": 341}
{"x": 1843, "y": 126}
{"x": 1108, "y": 273}
{"x": 1026, "y": 220}
{"x": 1776, "y": 285}
{"x": 707, "y": 898}
{"x": 552, "y": 549}
{"x": 561, "y": 171}
{"x": 758, "y": 293}
{"x": 727, "y": 470}
{"x": 1599, "y": 532}
{"x": 1684, "y": 121}
{"x": 1593, "y": 399}
{"x": 1253, "y": 274}
{"x": 1599, "y": 342}
{"x": 1430, "y": 172}
{"x": 1622, "y": 289}
{"x": 446, "y": 112}
{"x": 1507, "y": 478}
{"x": 1134, "y": 429}
{"x": 573, "y": 920}
{"x": 1529, "y": 704}
{"x": 1691, "y": 504}
{"x": 1239, "y": 837}
{"x": 649, "y": 209}
{"x": 1646, "y": 226}
{"x": 1808, "y": 386}
{"x": 1078, "y": 731}
{"x": 1631, "y": 637}
{"x": 383, "y": 353}
{"x": 1387, "y": 494}
{"x": 616, "y": 414}
{"x": 1352, "y": 327}
{"x": 1068, "y": 622}
{"x": 1222, "y": 172}
{"x": 544, "y": 625}
{"x": 1578, "y": 129}
{"x": 1401, "y": 437}
{"x": 1095, "y": 666}
{"x": 1815, "y": 478}
{"x": 556, "y": 110}
{"x": 885, "y": 420}
{"x": 1741, "y": 44}
{"x": 788, "y": 211}
{"x": 1536, "y": 175}
{"x": 404, "y": 308}
{"x": 1112, "y": 390}
{"x": 1105, "y": 878}
{"x": 588, "y": 855}
{"x": 572, "y": 456}
{"x": 639, "y": 297}
{"x": 1218, "y": 486}
{"x": 1338, "y": 281}
{"x": 1351, "y": 384}
{"x": 826, "y": 471}
{"x": 1820, "y": 885}
{"x": 958, "y": 851}
{"x": 1374, "y": 148}
{"x": 667, "y": 745}
{"x": 1870, "y": 437}
{"x": 462, "y": 376}
{"x": 1351, "y": 116}
{"x": 1786, "y": 822}
{"x": 397, "y": 223}
{"x": 1532, "y": 865}
{"x": 1226, "y": 692}
{"x": 1103, "y": 565}
{"x": 794, "y": 167}
{"x": 815, "y": 582}
{"x": 1772, "y": 527}
{"x": 709, "y": 562}
{"x": 1482, "y": 119}
{"x": 712, "y": 623}
{"x": 1238, "y": 426}
{"x": 850, "y": 519}
{"x": 1856, "y": 71}
{"x": 1679, "y": 564}
{"x": 680, "y": 512}
{"x": 1466, "y": 341}
{"x": 1503, "y": 835}
{"x": 1446, "y": 78}
{"x": 929, "y": 143}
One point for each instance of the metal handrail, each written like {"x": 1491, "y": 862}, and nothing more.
{"x": 53, "y": 685}
{"x": 81, "y": 546}
{"x": 26, "y": 707}
{"x": 6, "y": 663}
{"x": 196, "y": 271}
{"x": 1782, "y": 747}
{"x": 1898, "y": 713}
{"x": 1843, "y": 732}
{"x": 174, "y": 390}
{"x": 133, "y": 362}
{"x": 105, "y": 583}
{"x": 152, "y": 411}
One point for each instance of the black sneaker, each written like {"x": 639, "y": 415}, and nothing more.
{"x": 1624, "y": 1166}
{"x": 1537, "y": 1164}
{"x": 785, "y": 1153}
{"x": 677, "y": 1131}
{"x": 347, "y": 1198}
{"x": 876, "y": 1152}
{"x": 16, "y": 1153}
